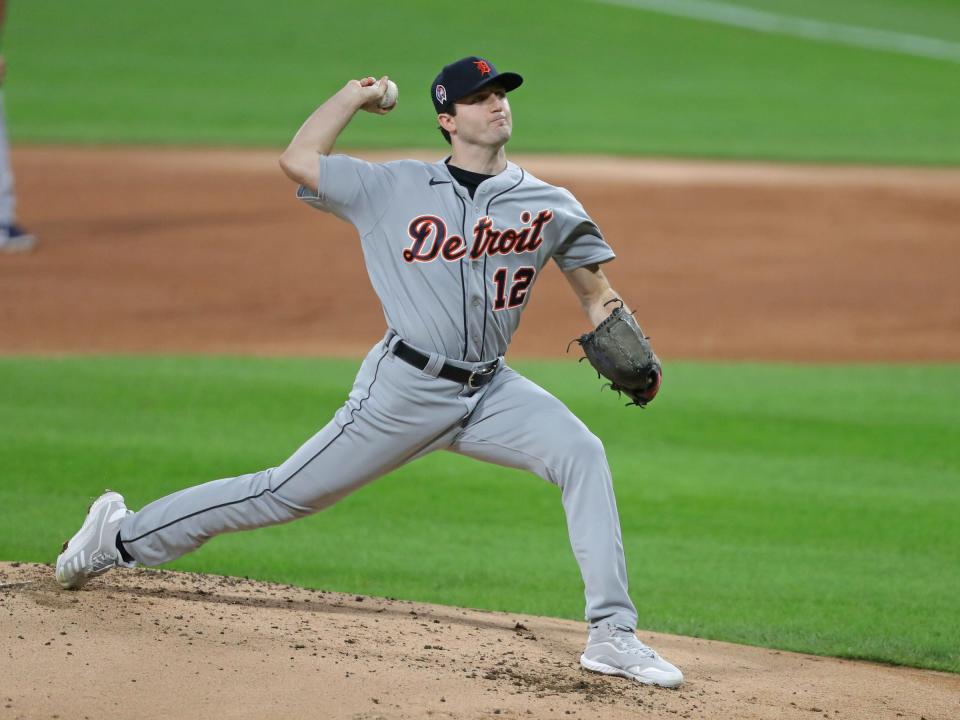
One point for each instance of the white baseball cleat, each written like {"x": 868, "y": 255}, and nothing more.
{"x": 615, "y": 650}
{"x": 93, "y": 550}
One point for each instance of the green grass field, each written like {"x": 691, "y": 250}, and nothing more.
{"x": 600, "y": 78}
{"x": 805, "y": 508}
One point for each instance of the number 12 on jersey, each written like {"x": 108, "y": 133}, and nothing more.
{"x": 514, "y": 295}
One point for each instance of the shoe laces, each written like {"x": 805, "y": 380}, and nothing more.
{"x": 100, "y": 562}
{"x": 627, "y": 642}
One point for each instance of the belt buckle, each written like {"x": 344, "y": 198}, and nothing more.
{"x": 486, "y": 372}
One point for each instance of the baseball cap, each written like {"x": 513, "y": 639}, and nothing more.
{"x": 467, "y": 75}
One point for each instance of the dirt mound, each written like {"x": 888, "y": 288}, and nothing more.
{"x": 160, "y": 644}
{"x": 164, "y": 250}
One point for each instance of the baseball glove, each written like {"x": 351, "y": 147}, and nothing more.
{"x": 620, "y": 352}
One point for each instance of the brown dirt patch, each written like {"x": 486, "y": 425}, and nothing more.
{"x": 192, "y": 251}
{"x": 159, "y": 644}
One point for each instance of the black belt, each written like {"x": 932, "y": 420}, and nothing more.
{"x": 473, "y": 379}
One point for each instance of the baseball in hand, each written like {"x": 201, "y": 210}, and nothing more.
{"x": 389, "y": 98}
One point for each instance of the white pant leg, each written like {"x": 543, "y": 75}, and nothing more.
{"x": 7, "y": 198}
{"x": 519, "y": 424}
{"x": 393, "y": 413}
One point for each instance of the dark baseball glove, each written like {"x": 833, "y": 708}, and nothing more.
{"x": 620, "y": 352}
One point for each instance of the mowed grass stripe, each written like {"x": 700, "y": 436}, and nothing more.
{"x": 806, "y": 508}
{"x": 776, "y": 23}
{"x": 599, "y": 78}
{"x": 932, "y": 18}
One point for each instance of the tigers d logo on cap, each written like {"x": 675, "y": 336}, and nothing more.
{"x": 467, "y": 75}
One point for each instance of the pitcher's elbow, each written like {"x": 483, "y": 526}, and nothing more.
{"x": 299, "y": 169}
{"x": 287, "y": 164}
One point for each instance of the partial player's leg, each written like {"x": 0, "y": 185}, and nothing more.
{"x": 7, "y": 199}
{"x": 12, "y": 237}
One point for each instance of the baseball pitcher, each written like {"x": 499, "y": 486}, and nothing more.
{"x": 453, "y": 249}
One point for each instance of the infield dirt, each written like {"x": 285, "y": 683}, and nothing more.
{"x": 157, "y": 644}
{"x": 190, "y": 251}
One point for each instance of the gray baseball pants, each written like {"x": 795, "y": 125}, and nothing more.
{"x": 8, "y": 200}
{"x": 394, "y": 414}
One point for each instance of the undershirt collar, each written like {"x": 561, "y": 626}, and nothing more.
{"x": 469, "y": 180}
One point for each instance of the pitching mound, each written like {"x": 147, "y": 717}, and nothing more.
{"x": 159, "y": 644}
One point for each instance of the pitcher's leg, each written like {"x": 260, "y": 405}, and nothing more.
{"x": 369, "y": 436}
{"x": 182, "y": 521}
{"x": 519, "y": 424}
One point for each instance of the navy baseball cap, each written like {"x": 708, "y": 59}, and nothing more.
{"x": 460, "y": 78}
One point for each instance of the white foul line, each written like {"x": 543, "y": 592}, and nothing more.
{"x": 738, "y": 16}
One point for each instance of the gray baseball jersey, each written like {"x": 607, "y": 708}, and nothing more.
{"x": 453, "y": 275}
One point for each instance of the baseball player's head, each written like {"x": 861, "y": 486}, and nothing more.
{"x": 470, "y": 98}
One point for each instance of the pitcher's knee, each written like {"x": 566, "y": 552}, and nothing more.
{"x": 307, "y": 494}
{"x": 579, "y": 449}
{"x": 590, "y": 448}
{"x": 589, "y": 444}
